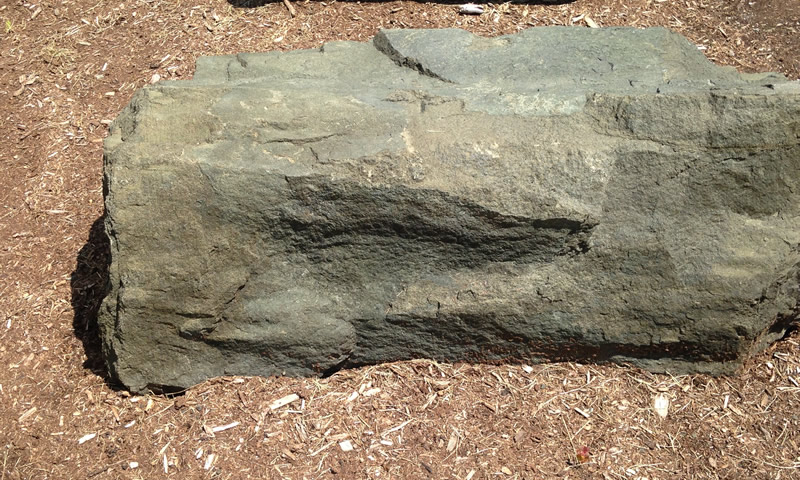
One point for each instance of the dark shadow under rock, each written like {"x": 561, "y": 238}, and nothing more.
{"x": 89, "y": 284}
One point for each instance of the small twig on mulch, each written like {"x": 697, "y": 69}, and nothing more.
{"x": 290, "y": 7}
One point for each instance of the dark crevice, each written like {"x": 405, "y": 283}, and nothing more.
{"x": 314, "y": 154}
{"x": 495, "y": 345}
{"x": 299, "y": 141}
{"x": 330, "y": 371}
{"x": 240, "y": 59}
{"x": 238, "y": 291}
{"x": 400, "y": 222}
{"x": 791, "y": 329}
{"x": 193, "y": 315}
{"x": 169, "y": 391}
{"x": 384, "y": 45}
{"x": 786, "y": 324}
{"x": 198, "y": 332}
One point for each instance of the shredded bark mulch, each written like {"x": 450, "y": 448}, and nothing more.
{"x": 67, "y": 68}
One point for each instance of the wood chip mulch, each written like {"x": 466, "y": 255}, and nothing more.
{"x": 67, "y": 68}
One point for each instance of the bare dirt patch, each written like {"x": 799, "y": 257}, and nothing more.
{"x": 67, "y": 67}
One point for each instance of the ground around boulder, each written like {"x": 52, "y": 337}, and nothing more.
{"x": 67, "y": 68}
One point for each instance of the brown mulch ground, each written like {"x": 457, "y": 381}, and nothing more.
{"x": 67, "y": 67}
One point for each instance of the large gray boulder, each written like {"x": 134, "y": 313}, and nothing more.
{"x": 560, "y": 193}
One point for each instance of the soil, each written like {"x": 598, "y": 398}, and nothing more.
{"x": 68, "y": 67}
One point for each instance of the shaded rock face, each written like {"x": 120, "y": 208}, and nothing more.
{"x": 561, "y": 193}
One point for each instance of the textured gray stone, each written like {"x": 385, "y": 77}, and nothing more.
{"x": 561, "y": 193}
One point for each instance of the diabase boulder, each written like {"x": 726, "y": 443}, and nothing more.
{"x": 557, "y": 194}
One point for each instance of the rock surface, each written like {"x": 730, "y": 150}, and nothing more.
{"x": 558, "y": 194}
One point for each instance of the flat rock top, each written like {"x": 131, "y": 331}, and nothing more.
{"x": 561, "y": 63}
{"x": 410, "y": 90}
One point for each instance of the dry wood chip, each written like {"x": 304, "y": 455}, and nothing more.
{"x": 289, "y": 7}
{"x": 86, "y": 438}
{"x": 284, "y": 401}
{"x": 452, "y": 443}
{"x": 440, "y": 384}
{"x": 398, "y": 427}
{"x": 431, "y": 399}
{"x": 180, "y": 402}
{"x": 661, "y": 405}
{"x": 324, "y": 447}
{"x": 346, "y": 446}
{"x": 114, "y": 411}
{"x": 735, "y": 410}
{"x": 210, "y": 459}
{"x": 288, "y": 453}
{"x": 582, "y": 413}
{"x": 27, "y": 414}
{"x": 489, "y": 406}
{"x": 222, "y": 428}
{"x": 470, "y": 9}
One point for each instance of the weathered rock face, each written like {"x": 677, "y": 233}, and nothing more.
{"x": 561, "y": 193}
